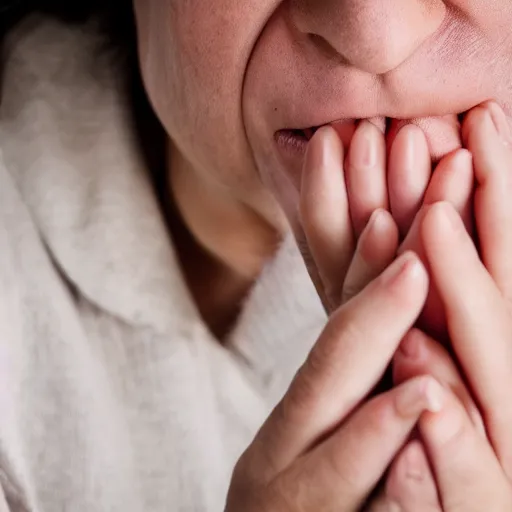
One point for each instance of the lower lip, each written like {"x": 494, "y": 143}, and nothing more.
{"x": 291, "y": 142}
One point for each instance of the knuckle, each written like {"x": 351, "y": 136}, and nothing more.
{"x": 319, "y": 359}
{"x": 322, "y": 370}
{"x": 344, "y": 328}
{"x": 299, "y": 399}
{"x": 323, "y": 356}
{"x": 301, "y": 489}
{"x": 323, "y": 361}
{"x": 349, "y": 472}
{"x": 379, "y": 420}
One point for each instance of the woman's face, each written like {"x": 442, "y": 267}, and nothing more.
{"x": 236, "y": 81}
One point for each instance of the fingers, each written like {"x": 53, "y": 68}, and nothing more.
{"x": 421, "y": 355}
{"x": 468, "y": 474}
{"x": 366, "y": 174}
{"x": 409, "y": 173}
{"x": 452, "y": 181}
{"x": 442, "y": 133}
{"x": 346, "y": 467}
{"x": 478, "y": 321}
{"x": 376, "y": 249}
{"x": 325, "y": 214}
{"x": 492, "y": 152}
{"x": 348, "y": 360}
{"x": 410, "y": 483}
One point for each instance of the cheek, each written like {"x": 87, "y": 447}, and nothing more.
{"x": 193, "y": 56}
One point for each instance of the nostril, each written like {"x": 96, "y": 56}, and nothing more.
{"x": 372, "y": 36}
{"x": 327, "y": 49}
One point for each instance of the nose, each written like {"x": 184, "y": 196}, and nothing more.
{"x": 375, "y": 36}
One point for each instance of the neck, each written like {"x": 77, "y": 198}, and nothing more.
{"x": 222, "y": 244}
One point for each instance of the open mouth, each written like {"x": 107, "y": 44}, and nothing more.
{"x": 294, "y": 141}
{"x": 305, "y": 134}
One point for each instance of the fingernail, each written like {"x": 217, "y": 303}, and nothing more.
{"x": 411, "y": 153}
{"x": 419, "y": 395}
{"x": 323, "y": 150}
{"x": 363, "y": 149}
{"x": 324, "y": 157}
{"x": 500, "y": 122}
{"x": 377, "y": 220}
{"x": 406, "y": 263}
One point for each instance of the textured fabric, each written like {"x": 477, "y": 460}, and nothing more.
{"x": 113, "y": 394}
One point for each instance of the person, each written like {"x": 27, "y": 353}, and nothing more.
{"x": 169, "y": 169}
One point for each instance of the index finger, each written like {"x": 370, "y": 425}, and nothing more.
{"x": 348, "y": 360}
{"x": 478, "y": 320}
{"x": 493, "y": 208}
{"x": 467, "y": 471}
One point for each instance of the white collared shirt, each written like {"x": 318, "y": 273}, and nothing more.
{"x": 113, "y": 394}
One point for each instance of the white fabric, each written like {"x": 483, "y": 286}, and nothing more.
{"x": 113, "y": 394}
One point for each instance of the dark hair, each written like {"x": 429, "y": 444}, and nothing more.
{"x": 117, "y": 23}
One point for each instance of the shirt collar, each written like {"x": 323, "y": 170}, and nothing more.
{"x": 67, "y": 141}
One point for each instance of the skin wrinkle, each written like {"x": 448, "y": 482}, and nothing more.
{"x": 368, "y": 14}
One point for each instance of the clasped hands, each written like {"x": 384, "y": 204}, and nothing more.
{"x": 415, "y": 269}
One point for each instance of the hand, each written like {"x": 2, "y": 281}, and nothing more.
{"x": 325, "y": 447}
{"x": 355, "y": 208}
{"x": 470, "y": 475}
{"x": 330, "y": 202}
{"x": 444, "y": 175}
{"x": 407, "y": 181}
{"x": 339, "y": 194}
{"x": 410, "y": 484}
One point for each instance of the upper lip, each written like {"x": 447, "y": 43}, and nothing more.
{"x": 312, "y": 117}
{"x": 381, "y": 122}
